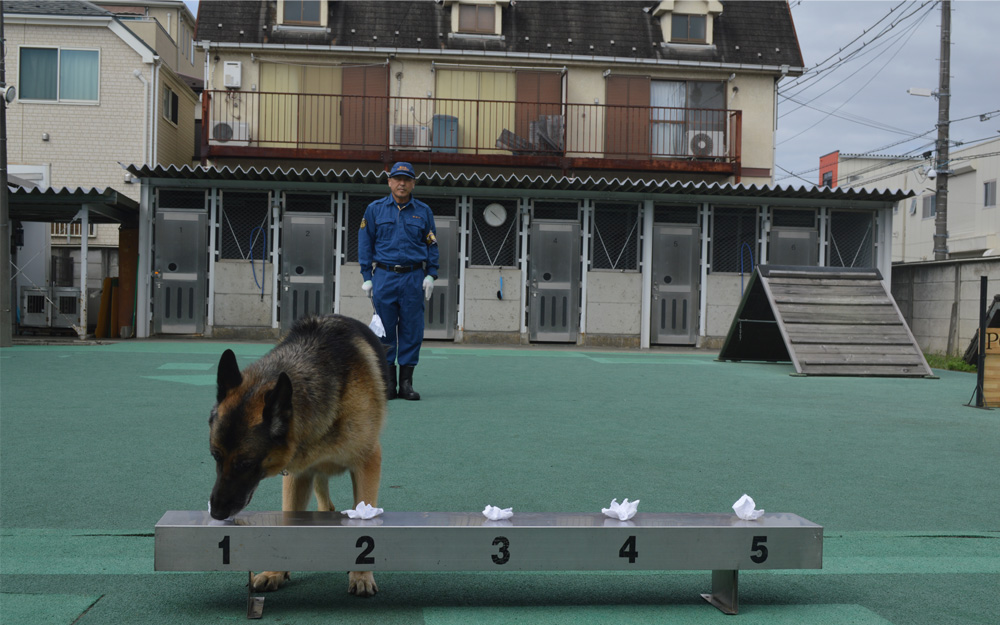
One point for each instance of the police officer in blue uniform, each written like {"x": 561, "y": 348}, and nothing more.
{"x": 398, "y": 252}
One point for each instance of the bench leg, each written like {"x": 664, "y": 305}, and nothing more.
{"x": 725, "y": 588}
{"x": 255, "y": 605}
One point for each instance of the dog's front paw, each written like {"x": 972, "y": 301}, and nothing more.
{"x": 269, "y": 580}
{"x": 362, "y": 583}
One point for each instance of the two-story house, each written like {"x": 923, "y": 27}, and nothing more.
{"x": 99, "y": 86}
{"x": 599, "y": 171}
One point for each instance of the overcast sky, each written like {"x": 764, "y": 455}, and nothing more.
{"x": 868, "y": 87}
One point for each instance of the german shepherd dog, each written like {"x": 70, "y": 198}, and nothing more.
{"x": 311, "y": 408}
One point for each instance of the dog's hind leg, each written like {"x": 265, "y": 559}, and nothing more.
{"x": 294, "y": 496}
{"x": 365, "y": 480}
{"x": 321, "y": 486}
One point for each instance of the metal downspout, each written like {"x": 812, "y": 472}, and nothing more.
{"x": 146, "y": 109}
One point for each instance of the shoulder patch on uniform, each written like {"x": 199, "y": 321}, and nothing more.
{"x": 431, "y": 239}
{"x": 363, "y": 223}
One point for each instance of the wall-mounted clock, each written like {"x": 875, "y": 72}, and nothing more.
{"x": 494, "y": 214}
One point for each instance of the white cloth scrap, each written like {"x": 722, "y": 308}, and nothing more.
{"x": 744, "y": 508}
{"x": 497, "y": 514}
{"x": 376, "y": 326}
{"x": 623, "y": 511}
{"x": 364, "y": 511}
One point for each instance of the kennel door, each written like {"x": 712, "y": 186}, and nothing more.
{"x": 307, "y": 266}
{"x": 441, "y": 312}
{"x": 180, "y": 275}
{"x": 554, "y": 281}
{"x": 674, "y": 301}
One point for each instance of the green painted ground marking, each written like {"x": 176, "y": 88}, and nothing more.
{"x": 194, "y": 380}
{"x": 652, "y": 360}
{"x": 44, "y": 608}
{"x": 649, "y": 614}
{"x": 187, "y": 366}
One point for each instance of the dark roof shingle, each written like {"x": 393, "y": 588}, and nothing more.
{"x": 749, "y": 33}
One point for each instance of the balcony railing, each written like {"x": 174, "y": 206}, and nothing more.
{"x": 307, "y": 125}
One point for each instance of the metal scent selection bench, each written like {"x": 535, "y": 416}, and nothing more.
{"x": 462, "y": 541}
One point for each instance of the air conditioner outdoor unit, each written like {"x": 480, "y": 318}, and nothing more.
{"x": 230, "y": 133}
{"x": 706, "y": 143}
{"x": 411, "y": 137}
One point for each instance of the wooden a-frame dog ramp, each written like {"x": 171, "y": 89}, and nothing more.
{"x": 826, "y": 321}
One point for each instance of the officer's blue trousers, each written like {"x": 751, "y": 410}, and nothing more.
{"x": 399, "y": 302}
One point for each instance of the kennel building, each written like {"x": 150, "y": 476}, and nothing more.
{"x": 237, "y": 252}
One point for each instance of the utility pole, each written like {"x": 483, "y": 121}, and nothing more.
{"x": 6, "y": 310}
{"x": 943, "y": 164}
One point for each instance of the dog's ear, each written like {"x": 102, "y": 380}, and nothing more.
{"x": 278, "y": 407}
{"x": 229, "y": 376}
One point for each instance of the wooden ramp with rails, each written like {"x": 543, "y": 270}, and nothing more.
{"x": 828, "y": 321}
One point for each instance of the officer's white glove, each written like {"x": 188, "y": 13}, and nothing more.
{"x": 367, "y": 286}
{"x": 428, "y": 287}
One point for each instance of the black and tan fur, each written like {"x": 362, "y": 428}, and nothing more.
{"x": 312, "y": 407}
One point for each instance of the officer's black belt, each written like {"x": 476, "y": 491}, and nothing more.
{"x": 398, "y": 268}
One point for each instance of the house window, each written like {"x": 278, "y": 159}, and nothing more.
{"x": 302, "y": 12}
{"x": 687, "y": 28}
{"x": 169, "y": 105}
{"x": 827, "y": 178}
{"x": 59, "y": 75}
{"x": 687, "y": 118}
{"x": 990, "y": 193}
{"x": 477, "y": 18}
{"x": 930, "y": 206}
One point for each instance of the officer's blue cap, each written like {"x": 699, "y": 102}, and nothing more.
{"x": 402, "y": 169}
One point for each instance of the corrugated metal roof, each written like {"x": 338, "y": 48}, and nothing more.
{"x": 526, "y": 184}
{"x": 63, "y": 204}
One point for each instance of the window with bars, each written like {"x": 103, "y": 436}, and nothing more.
{"x": 494, "y": 245}
{"x": 852, "y": 239}
{"x": 734, "y": 240}
{"x": 793, "y": 218}
{"x": 244, "y": 221}
{"x": 675, "y": 214}
{"x": 181, "y": 198}
{"x": 614, "y": 243}
{"x": 308, "y": 203}
{"x": 545, "y": 209}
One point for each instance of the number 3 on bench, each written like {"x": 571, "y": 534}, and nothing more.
{"x": 504, "y": 550}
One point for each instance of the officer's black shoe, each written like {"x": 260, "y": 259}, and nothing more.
{"x": 390, "y": 391}
{"x": 406, "y": 384}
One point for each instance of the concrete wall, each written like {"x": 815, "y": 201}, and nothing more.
{"x": 940, "y": 300}
{"x": 237, "y": 296}
{"x": 612, "y": 303}
{"x": 484, "y": 313}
